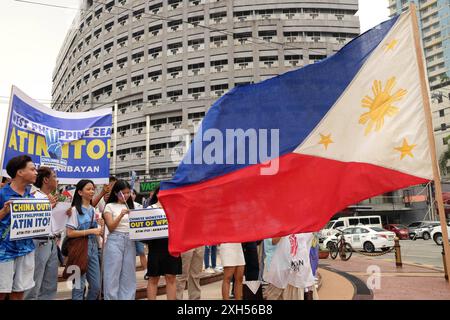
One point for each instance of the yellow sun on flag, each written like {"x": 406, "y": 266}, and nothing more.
{"x": 406, "y": 149}
{"x": 380, "y": 106}
{"x": 391, "y": 45}
{"x": 325, "y": 140}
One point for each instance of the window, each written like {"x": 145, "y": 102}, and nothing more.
{"x": 375, "y": 221}
{"x": 353, "y": 221}
{"x": 155, "y": 29}
{"x": 155, "y": 8}
{"x": 174, "y": 24}
{"x": 154, "y": 52}
{"x": 364, "y": 221}
{"x": 175, "y": 119}
{"x": 123, "y": 20}
{"x": 338, "y": 224}
{"x": 158, "y": 121}
{"x": 350, "y": 231}
{"x": 196, "y": 115}
{"x": 443, "y": 126}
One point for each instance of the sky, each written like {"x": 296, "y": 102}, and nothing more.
{"x": 31, "y": 36}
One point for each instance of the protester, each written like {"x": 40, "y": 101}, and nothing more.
{"x": 210, "y": 253}
{"x": 161, "y": 263}
{"x": 46, "y": 253}
{"x": 140, "y": 247}
{"x": 252, "y": 289}
{"x": 233, "y": 262}
{"x": 290, "y": 271}
{"x": 81, "y": 224}
{"x": 120, "y": 252}
{"x": 16, "y": 257}
{"x": 270, "y": 246}
{"x": 192, "y": 263}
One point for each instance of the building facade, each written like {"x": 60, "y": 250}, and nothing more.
{"x": 434, "y": 21}
{"x": 165, "y": 62}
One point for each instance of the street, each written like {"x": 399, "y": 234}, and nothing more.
{"x": 421, "y": 251}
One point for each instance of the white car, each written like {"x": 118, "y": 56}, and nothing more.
{"x": 364, "y": 238}
{"x": 436, "y": 234}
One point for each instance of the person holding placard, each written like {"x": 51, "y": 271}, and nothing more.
{"x": 119, "y": 279}
{"x": 82, "y": 224}
{"x": 140, "y": 247}
{"x": 16, "y": 257}
{"x": 161, "y": 263}
{"x": 46, "y": 254}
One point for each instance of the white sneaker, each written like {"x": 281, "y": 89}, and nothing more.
{"x": 218, "y": 269}
{"x": 209, "y": 270}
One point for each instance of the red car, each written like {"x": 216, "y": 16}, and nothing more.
{"x": 400, "y": 230}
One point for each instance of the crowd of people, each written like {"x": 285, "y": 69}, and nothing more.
{"x": 96, "y": 240}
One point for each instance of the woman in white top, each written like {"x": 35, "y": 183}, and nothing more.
{"x": 119, "y": 276}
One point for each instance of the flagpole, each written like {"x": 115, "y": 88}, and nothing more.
{"x": 5, "y": 138}
{"x": 431, "y": 140}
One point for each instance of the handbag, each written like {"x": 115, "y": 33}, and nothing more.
{"x": 76, "y": 251}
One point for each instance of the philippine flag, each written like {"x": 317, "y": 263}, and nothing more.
{"x": 336, "y": 132}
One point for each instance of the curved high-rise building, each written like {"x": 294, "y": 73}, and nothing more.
{"x": 166, "y": 61}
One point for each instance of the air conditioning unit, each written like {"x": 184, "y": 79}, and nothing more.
{"x": 174, "y": 28}
{"x": 154, "y": 79}
{"x": 174, "y": 74}
{"x": 96, "y": 56}
{"x": 137, "y": 38}
{"x": 154, "y": 102}
{"x": 217, "y": 20}
{"x": 340, "y": 16}
{"x": 155, "y": 55}
{"x": 266, "y": 16}
{"x": 137, "y": 83}
{"x": 243, "y": 65}
{"x": 218, "y": 68}
{"x": 122, "y": 44}
{"x": 138, "y": 17}
{"x": 120, "y": 88}
{"x": 174, "y": 51}
{"x": 290, "y": 15}
{"x": 123, "y": 22}
{"x": 139, "y": 155}
{"x": 157, "y": 127}
{"x": 155, "y": 33}
{"x": 243, "y": 40}
{"x": 219, "y": 93}
{"x": 95, "y": 76}
{"x": 268, "y": 63}
{"x": 196, "y": 47}
{"x": 196, "y": 96}
{"x": 174, "y": 99}
{"x": 218, "y": 43}
{"x": 137, "y": 60}
{"x": 316, "y": 39}
{"x": 121, "y": 65}
{"x": 314, "y": 15}
{"x": 294, "y": 63}
{"x": 242, "y": 19}
{"x": 108, "y": 50}
{"x": 195, "y": 72}
{"x": 107, "y": 70}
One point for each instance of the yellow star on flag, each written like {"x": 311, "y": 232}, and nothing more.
{"x": 406, "y": 149}
{"x": 391, "y": 45}
{"x": 325, "y": 140}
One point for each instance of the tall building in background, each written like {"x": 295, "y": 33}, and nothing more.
{"x": 434, "y": 21}
{"x": 166, "y": 61}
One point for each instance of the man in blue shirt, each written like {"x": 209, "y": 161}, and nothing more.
{"x": 16, "y": 257}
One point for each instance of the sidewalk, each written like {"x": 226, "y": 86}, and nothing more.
{"x": 411, "y": 282}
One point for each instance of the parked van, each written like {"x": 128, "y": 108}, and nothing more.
{"x": 345, "y": 222}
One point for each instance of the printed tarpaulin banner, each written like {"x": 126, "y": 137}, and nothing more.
{"x": 76, "y": 144}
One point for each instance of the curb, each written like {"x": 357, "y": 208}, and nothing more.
{"x": 361, "y": 291}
